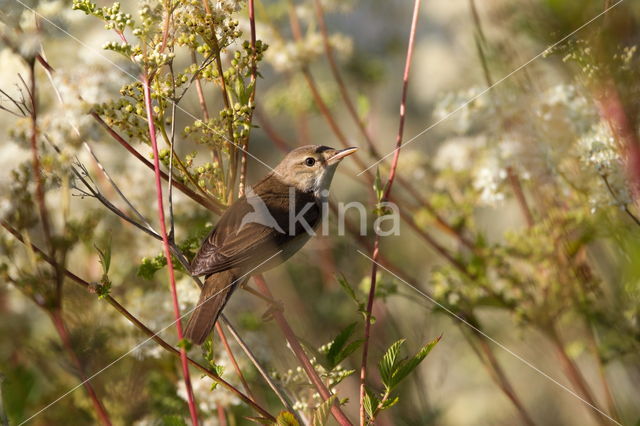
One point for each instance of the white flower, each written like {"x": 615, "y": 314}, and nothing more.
{"x": 463, "y": 108}
{"x": 207, "y": 399}
{"x": 599, "y": 149}
{"x": 487, "y": 181}
{"x": 457, "y": 154}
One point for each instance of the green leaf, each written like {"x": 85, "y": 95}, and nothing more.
{"x": 105, "y": 256}
{"x": 405, "y": 368}
{"x": 347, "y": 288}
{"x": 377, "y": 186}
{"x": 370, "y": 403}
{"x": 19, "y": 388}
{"x": 184, "y": 343}
{"x": 351, "y": 348}
{"x": 321, "y": 413}
{"x": 338, "y": 344}
{"x": 389, "y": 363}
{"x": 285, "y": 418}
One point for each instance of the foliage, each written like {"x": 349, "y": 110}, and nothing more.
{"x": 519, "y": 203}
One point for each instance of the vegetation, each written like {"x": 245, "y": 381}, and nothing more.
{"x": 511, "y": 295}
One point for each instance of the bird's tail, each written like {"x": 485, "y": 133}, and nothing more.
{"x": 215, "y": 293}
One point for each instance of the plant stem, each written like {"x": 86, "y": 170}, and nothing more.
{"x": 573, "y": 372}
{"x": 611, "y": 403}
{"x": 35, "y": 160}
{"x": 490, "y": 362}
{"x": 167, "y": 250}
{"x": 56, "y": 312}
{"x": 58, "y": 321}
{"x": 299, "y": 352}
{"x": 232, "y": 358}
{"x": 138, "y": 324}
{"x": 514, "y": 181}
{"x": 265, "y": 375}
{"x": 207, "y": 202}
{"x": 233, "y": 152}
{"x": 252, "y": 97}
{"x": 205, "y": 113}
{"x": 385, "y": 196}
{"x": 222, "y": 419}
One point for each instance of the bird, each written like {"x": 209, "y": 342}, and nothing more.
{"x": 262, "y": 229}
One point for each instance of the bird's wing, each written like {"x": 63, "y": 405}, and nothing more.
{"x": 236, "y": 244}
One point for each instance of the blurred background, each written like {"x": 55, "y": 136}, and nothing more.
{"x": 519, "y": 207}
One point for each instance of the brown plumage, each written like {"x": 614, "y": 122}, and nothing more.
{"x": 255, "y": 233}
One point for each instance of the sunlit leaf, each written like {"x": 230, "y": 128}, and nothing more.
{"x": 321, "y": 413}
{"x": 389, "y": 362}
{"x": 406, "y": 367}
{"x": 285, "y": 418}
{"x": 338, "y": 344}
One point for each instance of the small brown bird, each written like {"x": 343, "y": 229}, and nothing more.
{"x": 262, "y": 229}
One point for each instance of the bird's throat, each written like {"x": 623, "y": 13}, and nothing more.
{"x": 323, "y": 182}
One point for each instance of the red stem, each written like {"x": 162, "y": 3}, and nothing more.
{"x": 138, "y": 324}
{"x": 222, "y": 419}
{"x": 167, "y": 249}
{"x": 385, "y": 196}
{"x": 58, "y": 322}
{"x": 209, "y": 203}
{"x": 299, "y": 352}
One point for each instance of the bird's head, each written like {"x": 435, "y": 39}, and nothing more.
{"x": 311, "y": 167}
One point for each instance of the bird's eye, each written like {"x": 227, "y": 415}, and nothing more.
{"x": 310, "y": 161}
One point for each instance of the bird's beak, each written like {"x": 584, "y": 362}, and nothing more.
{"x": 340, "y": 154}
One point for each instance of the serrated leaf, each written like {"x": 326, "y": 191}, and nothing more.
{"x": 389, "y": 363}
{"x": 321, "y": 413}
{"x": 338, "y": 344}
{"x": 370, "y": 403}
{"x": 285, "y": 418}
{"x": 105, "y": 256}
{"x": 405, "y": 368}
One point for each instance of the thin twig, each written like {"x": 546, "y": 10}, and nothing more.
{"x": 233, "y": 151}
{"x": 252, "y": 98}
{"x": 385, "y": 196}
{"x": 60, "y": 326}
{"x": 165, "y": 239}
{"x": 299, "y": 352}
{"x": 333, "y": 125}
{"x": 573, "y": 372}
{"x": 232, "y": 358}
{"x": 209, "y": 203}
{"x": 138, "y": 324}
{"x": 35, "y": 161}
{"x": 615, "y": 198}
{"x": 487, "y": 357}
